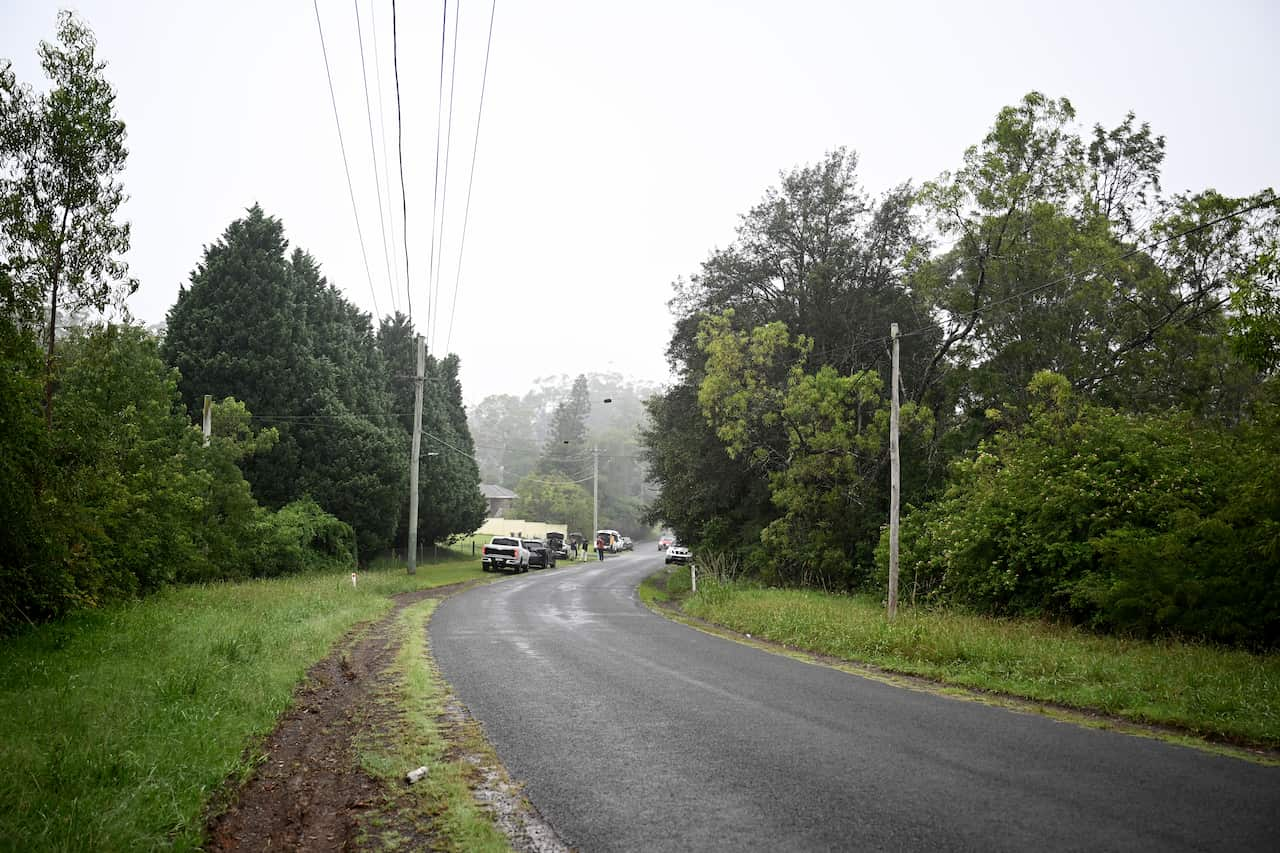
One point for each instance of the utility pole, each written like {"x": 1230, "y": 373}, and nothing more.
{"x": 895, "y": 482}
{"x": 207, "y": 421}
{"x": 415, "y": 455}
{"x": 595, "y": 489}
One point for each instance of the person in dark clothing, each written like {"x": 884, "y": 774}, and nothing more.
{"x": 600, "y": 547}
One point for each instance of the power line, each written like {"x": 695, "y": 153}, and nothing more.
{"x": 404, "y": 209}
{"x": 444, "y": 189}
{"x": 382, "y": 125}
{"x": 373, "y": 153}
{"x": 435, "y": 189}
{"x": 343, "y": 148}
{"x": 466, "y": 211}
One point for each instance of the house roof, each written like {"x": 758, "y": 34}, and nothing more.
{"x": 491, "y": 491}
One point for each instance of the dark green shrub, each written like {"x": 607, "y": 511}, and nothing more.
{"x": 1136, "y": 524}
{"x": 301, "y": 537}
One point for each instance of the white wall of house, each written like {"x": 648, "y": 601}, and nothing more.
{"x": 521, "y": 527}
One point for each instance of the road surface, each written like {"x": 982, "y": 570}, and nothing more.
{"x": 633, "y": 732}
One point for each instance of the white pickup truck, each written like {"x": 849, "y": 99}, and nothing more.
{"x": 505, "y": 553}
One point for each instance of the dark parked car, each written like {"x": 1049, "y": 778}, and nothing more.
{"x": 540, "y": 554}
{"x": 559, "y": 545}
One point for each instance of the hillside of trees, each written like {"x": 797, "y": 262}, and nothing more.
{"x": 540, "y": 446}
{"x": 1088, "y": 369}
{"x": 108, "y": 489}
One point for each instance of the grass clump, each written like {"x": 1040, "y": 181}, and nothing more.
{"x": 1210, "y": 691}
{"x": 441, "y": 804}
{"x": 118, "y": 725}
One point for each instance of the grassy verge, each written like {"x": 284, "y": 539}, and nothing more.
{"x": 1216, "y": 693}
{"x": 441, "y": 806}
{"x": 118, "y": 725}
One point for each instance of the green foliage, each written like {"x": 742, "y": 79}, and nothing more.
{"x": 300, "y": 537}
{"x": 1207, "y": 690}
{"x": 1157, "y": 314}
{"x": 819, "y": 260}
{"x": 60, "y": 154}
{"x": 271, "y": 331}
{"x": 449, "y": 501}
{"x": 821, "y": 438}
{"x": 1140, "y": 524}
{"x": 553, "y": 498}
{"x": 120, "y": 726}
{"x": 122, "y": 498}
{"x": 29, "y": 587}
{"x": 516, "y": 436}
{"x": 566, "y": 449}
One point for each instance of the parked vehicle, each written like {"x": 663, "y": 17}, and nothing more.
{"x": 611, "y": 538}
{"x": 505, "y": 553}
{"x": 678, "y": 554}
{"x": 665, "y": 542}
{"x": 540, "y": 554}
{"x": 627, "y": 544}
{"x": 558, "y": 543}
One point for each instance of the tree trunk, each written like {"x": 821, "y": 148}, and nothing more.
{"x": 53, "y": 322}
{"x": 48, "y": 361}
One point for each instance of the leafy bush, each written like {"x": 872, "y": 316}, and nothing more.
{"x": 1135, "y": 524}
{"x": 300, "y": 537}
{"x": 122, "y": 497}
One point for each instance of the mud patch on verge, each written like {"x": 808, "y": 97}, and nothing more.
{"x": 308, "y": 791}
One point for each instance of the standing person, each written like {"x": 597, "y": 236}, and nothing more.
{"x": 573, "y": 548}
{"x": 600, "y": 547}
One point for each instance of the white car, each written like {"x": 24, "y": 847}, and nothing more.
{"x": 678, "y": 554}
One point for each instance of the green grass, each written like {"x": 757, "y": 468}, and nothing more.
{"x": 441, "y": 805}
{"x": 1212, "y": 692}
{"x": 117, "y": 726}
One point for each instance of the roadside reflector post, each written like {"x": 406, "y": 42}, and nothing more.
{"x": 693, "y": 576}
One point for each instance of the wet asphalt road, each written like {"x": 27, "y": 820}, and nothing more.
{"x": 633, "y": 732}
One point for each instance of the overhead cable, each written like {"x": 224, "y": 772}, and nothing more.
{"x": 382, "y": 126}
{"x": 345, "y": 165}
{"x": 373, "y": 154}
{"x": 466, "y": 210}
{"x": 404, "y": 205}
{"x": 444, "y": 187}
{"x": 435, "y": 190}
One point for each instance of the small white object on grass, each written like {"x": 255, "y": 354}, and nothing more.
{"x": 353, "y": 580}
{"x": 416, "y": 775}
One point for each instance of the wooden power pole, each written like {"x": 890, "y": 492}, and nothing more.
{"x": 415, "y": 456}
{"x": 895, "y": 482}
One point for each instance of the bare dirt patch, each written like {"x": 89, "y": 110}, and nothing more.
{"x": 308, "y": 791}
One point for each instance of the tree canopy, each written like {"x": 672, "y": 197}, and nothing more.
{"x": 1046, "y": 252}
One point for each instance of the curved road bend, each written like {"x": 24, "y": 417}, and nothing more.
{"x": 633, "y": 732}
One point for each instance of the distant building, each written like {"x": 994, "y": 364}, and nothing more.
{"x": 500, "y": 499}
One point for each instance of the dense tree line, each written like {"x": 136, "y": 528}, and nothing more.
{"x": 108, "y": 488}
{"x": 264, "y": 325}
{"x": 1048, "y": 263}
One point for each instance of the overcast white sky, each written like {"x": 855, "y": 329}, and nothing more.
{"x": 620, "y": 141}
